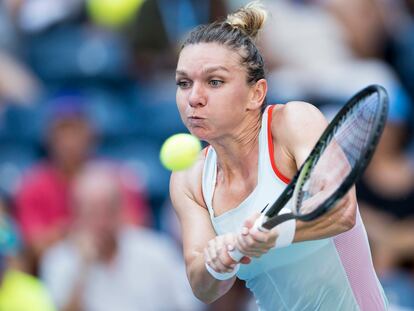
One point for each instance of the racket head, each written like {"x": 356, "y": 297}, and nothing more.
{"x": 344, "y": 151}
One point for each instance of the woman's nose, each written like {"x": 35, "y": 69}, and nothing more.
{"x": 197, "y": 96}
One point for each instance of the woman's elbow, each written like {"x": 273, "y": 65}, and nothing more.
{"x": 204, "y": 297}
{"x": 348, "y": 223}
{"x": 209, "y": 295}
{"x": 348, "y": 219}
{"x": 203, "y": 291}
{"x": 208, "y": 292}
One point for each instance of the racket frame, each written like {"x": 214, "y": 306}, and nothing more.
{"x": 272, "y": 218}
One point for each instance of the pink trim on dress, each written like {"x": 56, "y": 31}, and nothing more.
{"x": 353, "y": 250}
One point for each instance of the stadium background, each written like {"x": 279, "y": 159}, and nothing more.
{"x": 115, "y": 70}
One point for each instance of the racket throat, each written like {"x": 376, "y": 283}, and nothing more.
{"x": 269, "y": 223}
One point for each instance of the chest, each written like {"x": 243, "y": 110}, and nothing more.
{"x": 229, "y": 215}
{"x": 228, "y": 196}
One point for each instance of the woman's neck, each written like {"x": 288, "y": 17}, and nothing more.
{"x": 237, "y": 153}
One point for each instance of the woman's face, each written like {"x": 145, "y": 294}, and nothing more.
{"x": 212, "y": 92}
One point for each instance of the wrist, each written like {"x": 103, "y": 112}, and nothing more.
{"x": 286, "y": 231}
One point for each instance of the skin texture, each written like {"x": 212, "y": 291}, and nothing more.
{"x": 218, "y": 105}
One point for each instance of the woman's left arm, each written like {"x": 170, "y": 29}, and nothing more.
{"x": 303, "y": 124}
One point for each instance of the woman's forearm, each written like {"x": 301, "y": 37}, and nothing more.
{"x": 342, "y": 218}
{"x": 204, "y": 286}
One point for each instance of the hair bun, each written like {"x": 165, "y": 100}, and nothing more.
{"x": 250, "y": 19}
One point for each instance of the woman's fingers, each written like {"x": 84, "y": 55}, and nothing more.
{"x": 217, "y": 256}
{"x": 251, "y": 242}
{"x": 256, "y": 242}
{"x": 249, "y": 222}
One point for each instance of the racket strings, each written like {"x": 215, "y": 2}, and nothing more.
{"x": 339, "y": 155}
{"x": 354, "y": 135}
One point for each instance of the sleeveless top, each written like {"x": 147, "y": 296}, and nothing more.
{"x": 335, "y": 273}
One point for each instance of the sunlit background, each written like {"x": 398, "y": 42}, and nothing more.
{"x": 87, "y": 96}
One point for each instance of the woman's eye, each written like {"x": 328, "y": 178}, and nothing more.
{"x": 216, "y": 83}
{"x": 183, "y": 84}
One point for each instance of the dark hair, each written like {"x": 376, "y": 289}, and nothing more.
{"x": 238, "y": 32}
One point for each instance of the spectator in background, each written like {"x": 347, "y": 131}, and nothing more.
{"x": 18, "y": 290}
{"x": 42, "y": 203}
{"x": 105, "y": 265}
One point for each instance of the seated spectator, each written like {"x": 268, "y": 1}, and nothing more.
{"x": 42, "y": 203}
{"x": 104, "y": 264}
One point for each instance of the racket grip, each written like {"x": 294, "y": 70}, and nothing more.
{"x": 236, "y": 255}
{"x": 222, "y": 276}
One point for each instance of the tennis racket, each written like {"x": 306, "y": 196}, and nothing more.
{"x": 334, "y": 165}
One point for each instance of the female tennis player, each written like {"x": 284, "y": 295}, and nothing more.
{"x": 254, "y": 151}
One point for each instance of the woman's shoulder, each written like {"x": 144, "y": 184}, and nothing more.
{"x": 294, "y": 109}
{"x": 295, "y": 116}
{"x": 296, "y": 126}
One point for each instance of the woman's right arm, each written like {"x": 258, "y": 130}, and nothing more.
{"x": 200, "y": 242}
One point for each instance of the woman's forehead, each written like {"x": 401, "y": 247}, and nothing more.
{"x": 208, "y": 55}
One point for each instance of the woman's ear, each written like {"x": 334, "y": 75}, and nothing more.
{"x": 257, "y": 94}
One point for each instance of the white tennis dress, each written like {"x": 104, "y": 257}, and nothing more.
{"x": 330, "y": 274}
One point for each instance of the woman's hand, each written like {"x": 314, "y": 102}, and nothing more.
{"x": 254, "y": 243}
{"x": 217, "y": 253}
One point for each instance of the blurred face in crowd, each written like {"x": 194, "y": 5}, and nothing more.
{"x": 97, "y": 200}
{"x": 70, "y": 141}
{"x": 212, "y": 90}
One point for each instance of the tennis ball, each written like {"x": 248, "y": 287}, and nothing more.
{"x": 20, "y": 291}
{"x": 180, "y": 151}
{"x": 113, "y": 13}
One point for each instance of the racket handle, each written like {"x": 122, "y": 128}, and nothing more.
{"x": 222, "y": 276}
{"x": 236, "y": 255}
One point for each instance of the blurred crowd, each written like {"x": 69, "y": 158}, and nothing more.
{"x": 87, "y": 96}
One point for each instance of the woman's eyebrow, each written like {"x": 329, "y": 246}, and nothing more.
{"x": 207, "y": 70}
{"x": 181, "y": 73}
{"x": 215, "y": 68}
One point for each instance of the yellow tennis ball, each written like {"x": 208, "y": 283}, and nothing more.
{"x": 180, "y": 151}
{"x": 20, "y": 291}
{"x": 113, "y": 13}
